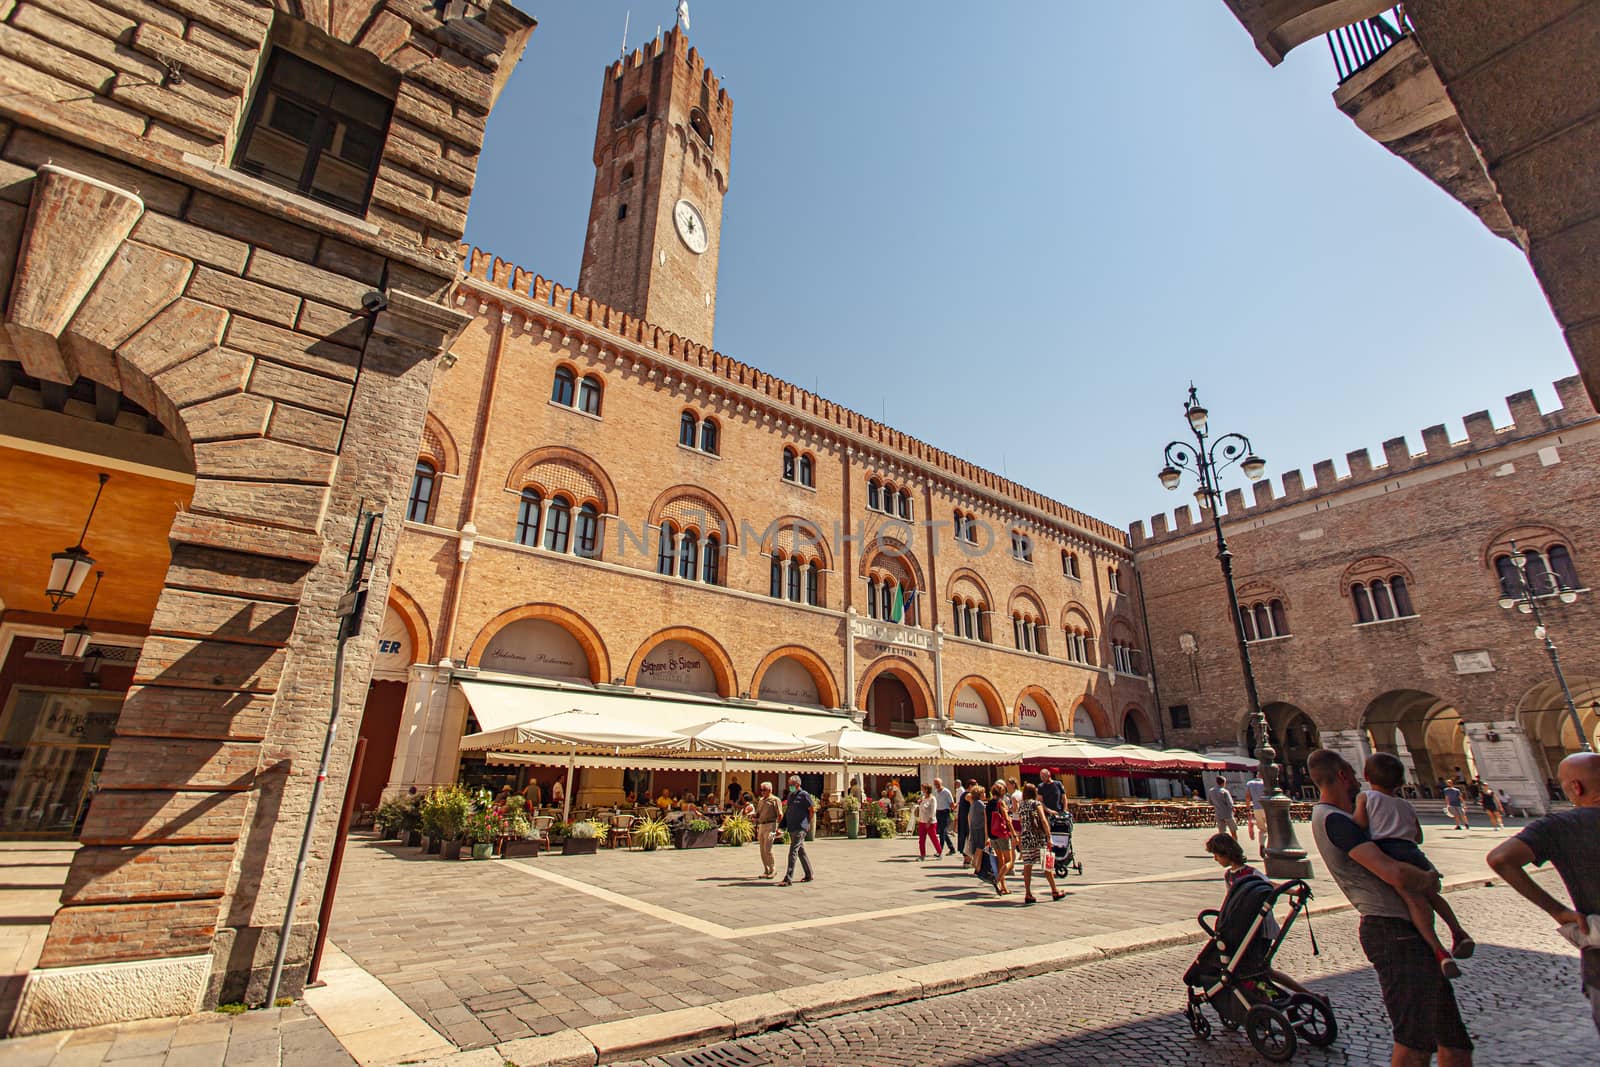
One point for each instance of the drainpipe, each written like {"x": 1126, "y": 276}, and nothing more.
{"x": 1155, "y": 681}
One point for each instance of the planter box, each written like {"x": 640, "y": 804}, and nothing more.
{"x": 411, "y": 838}
{"x": 521, "y": 849}
{"x": 432, "y": 844}
{"x": 450, "y": 851}
{"x": 689, "y": 839}
{"x": 580, "y": 846}
{"x": 483, "y": 851}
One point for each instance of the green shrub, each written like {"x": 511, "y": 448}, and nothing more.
{"x": 589, "y": 828}
{"x": 737, "y": 829}
{"x": 235, "y": 1008}
{"x": 484, "y": 827}
{"x": 698, "y": 826}
{"x": 652, "y": 834}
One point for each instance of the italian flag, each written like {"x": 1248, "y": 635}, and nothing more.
{"x": 897, "y": 612}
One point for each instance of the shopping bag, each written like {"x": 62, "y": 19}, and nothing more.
{"x": 989, "y": 870}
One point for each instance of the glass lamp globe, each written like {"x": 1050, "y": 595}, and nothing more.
{"x": 1568, "y": 596}
{"x": 1197, "y": 418}
{"x": 1525, "y": 607}
{"x": 1508, "y": 602}
{"x": 1539, "y": 631}
{"x": 1254, "y": 467}
{"x": 1170, "y": 476}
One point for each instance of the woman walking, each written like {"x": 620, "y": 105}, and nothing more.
{"x": 926, "y": 830}
{"x": 1035, "y": 836}
{"x": 1001, "y": 836}
{"x": 1491, "y": 807}
{"x": 977, "y": 828}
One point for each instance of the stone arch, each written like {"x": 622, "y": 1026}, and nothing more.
{"x": 439, "y": 446}
{"x": 716, "y": 656}
{"x": 974, "y": 579}
{"x": 679, "y": 503}
{"x": 1552, "y": 736}
{"x": 1528, "y": 535}
{"x": 1141, "y": 718}
{"x": 1075, "y": 613}
{"x": 556, "y": 468}
{"x": 1259, "y": 589}
{"x": 416, "y": 620}
{"x": 1422, "y": 728}
{"x": 1025, "y": 600}
{"x": 908, "y": 673}
{"x": 1047, "y": 704}
{"x": 587, "y": 636}
{"x": 987, "y": 693}
{"x": 815, "y": 665}
{"x": 780, "y": 538}
{"x": 1365, "y": 569}
{"x": 1097, "y": 714}
{"x": 894, "y": 556}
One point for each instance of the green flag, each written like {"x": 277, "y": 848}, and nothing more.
{"x": 898, "y": 612}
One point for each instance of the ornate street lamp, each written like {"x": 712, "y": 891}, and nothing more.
{"x": 70, "y": 567}
{"x": 75, "y": 641}
{"x": 1543, "y": 582}
{"x": 1206, "y": 459}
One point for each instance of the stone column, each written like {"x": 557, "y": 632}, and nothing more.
{"x": 424, "y": 704}
{"x": 850, "y": 658}
{"x": 1504, "y": 757}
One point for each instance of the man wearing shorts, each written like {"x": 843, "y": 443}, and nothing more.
{"x": 1417, "y": 997}
{"x": 1255, "y": 791}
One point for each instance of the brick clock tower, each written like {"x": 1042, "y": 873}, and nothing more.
{"x": 661, "y": 171}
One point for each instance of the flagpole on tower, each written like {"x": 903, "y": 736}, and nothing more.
{"x": 626, "y": 18}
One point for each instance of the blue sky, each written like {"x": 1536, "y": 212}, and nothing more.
{"x": 1017, "y": 230}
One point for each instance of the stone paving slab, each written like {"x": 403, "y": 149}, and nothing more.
{"x": 271, "y": 1037}
{"x": 491, "y": 953}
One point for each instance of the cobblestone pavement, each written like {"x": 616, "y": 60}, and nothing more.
{"x": 1519, "y": 994}
{"x": 496, "y": 951}
{"x": 271, "y": 1037}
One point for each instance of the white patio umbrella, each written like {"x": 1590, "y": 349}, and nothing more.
{"x": 850, "y": 744}
{"x": 575, "y": 730}
{"x": 953, "y": 748}
{"x": 731, "y": 735}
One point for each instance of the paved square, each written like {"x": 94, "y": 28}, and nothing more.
{"x": 493, "y": 951}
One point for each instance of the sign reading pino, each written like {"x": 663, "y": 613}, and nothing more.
{"x": 677, "y": 666}
{"x": 1030, "y": 716}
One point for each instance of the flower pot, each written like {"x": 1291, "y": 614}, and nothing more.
{"x": 579, "y": 846}
{"x": 411, "y": 838}
{"x": 433, "y": 845}
{"x": 518, "y": 849}
{"x": 852, "y": 824}
{"x": 686, "y": 838}
{"x": 482, "y": 850}
{"x": 451, "y": 850}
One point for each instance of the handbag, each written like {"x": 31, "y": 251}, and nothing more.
{"x": 989, "y": 870}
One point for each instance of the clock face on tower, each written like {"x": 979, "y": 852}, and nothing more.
{"x": 691, "y": 227}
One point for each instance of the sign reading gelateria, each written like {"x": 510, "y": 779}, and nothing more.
{"x": 536, "y": 647}
{"x": 788, "y": 682}
{"x": 970, "y": 707}
{"x": 677, "y": 666}
{"x": 1030, "y": 716}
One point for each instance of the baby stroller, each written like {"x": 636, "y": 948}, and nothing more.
{"x": 1230, "y": 974}
{"x": 1061, "y": 843}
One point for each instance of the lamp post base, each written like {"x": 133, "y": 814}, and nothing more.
{"x": 1285, "y": 858}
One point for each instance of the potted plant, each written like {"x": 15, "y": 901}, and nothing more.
{"x": 852, "y": 816}
{"x": 454, "y": 806}
{"x": 584, "y": 838}
{"x": 696, "y": 833}
{"x": 883, "y": 826}
{"x": 519, "y": 828}
{"x": 428, "y": 815}
{"x": 736, "y": 830}
{"x": 652, "y": 834}
{"x": 411, "y": 820}
{"x": 559, "y": 831}
{"x": 483, "y": 829}
{"x": 389, "y": 818}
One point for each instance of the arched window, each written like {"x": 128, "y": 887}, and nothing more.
{"x": 667, "y": 550}
{"x": 1263, "y": 622}
{"x": 421, "y": 499}
{"x": 589, "y": 395}
{"x": 1382, "y": 603}
{"x": 775, "y": 581}
{"x": 1401, "y": 595}
{"x": 1561, "y": 563}
{"x": 813, "y": 576}
{"x": 711, "y": 562}
{"x": 708, "y": 436}
{"x": 1039, "y": 638}
{"x": 558, "y": 524}
{"x": 688, "y": 429}
{"x": 872, "y": 598}
{"x": 627, "y": 173}
{"x": 808, "y": 477}
{"x": 874, "y": 495}
{"x": 688, "y": 555}
{"x": 1363, "y": 599}
{"x": 1510, "y": 581}
{"x": 788, "y": 465}
{"x": 1247, "y": 620}
{"x": 588, "y": 540}
{"x": 795, "y": 579}
{"x": 528, "y": 518}
{"x": 1114, "y": 579}
{"x": 903, "y": 504}
{"x": 561, "y": 388}
{"x": 1536, "y": 570}
{"x": 886, "y": 592}
{"x": 1280, "y": 618}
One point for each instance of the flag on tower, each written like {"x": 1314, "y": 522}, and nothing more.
{"x": 683, "y": 13}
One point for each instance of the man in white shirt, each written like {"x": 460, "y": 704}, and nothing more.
{"x": 1255, "y": 791}
{"x": 1222, "y": 800}
{"x": 943, "y": 802}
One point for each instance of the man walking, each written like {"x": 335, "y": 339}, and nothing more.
{"x": 768, "y": 812}
{"x": 963, "y": 813}
{"x": 1416, "y": 995}
{"x": 942, "y": 803}
{"x": 797, "y": 820}
{"x": 1255, "y": 792}
{"x": 1570, "y": 841}
{"x": 1455, "y": 807}
{"x": 1222, "y": 800}
{"x": 1052, "y": 794}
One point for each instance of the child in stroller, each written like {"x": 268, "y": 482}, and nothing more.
{"x": 1061, "y": 844}
{"x": 1234, "y": 972}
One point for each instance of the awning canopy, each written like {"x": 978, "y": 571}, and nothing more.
{"x": 732, "y": 735}
{"x": 1232, "y": 761}
{"x": 953, "y": 748}
{"x": 575, "y": 729}
{"x": 850, "y": 743}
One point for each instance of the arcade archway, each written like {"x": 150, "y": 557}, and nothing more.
{"x": 1294, "y": 737}
{"x": 1542, "y": 713}
{"x": 1425, "y": 732}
